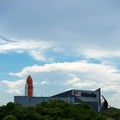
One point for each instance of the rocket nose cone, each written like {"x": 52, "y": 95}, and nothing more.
{"x": 29, "y": 80}
{"x": 29, "y": 86}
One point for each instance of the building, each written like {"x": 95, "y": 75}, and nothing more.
{"x": 93, "y": 98}
{"x": 29, "y": 101}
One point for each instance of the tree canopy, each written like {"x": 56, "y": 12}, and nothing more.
{"x": 51, "y": 110}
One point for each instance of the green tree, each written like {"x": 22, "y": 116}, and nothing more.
{"x": 10, "y": 117}
{"x": 53, "y": 110}
{"x": 112, "y": 113}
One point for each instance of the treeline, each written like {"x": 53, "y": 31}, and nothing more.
{"x": 112, "y": 113}
{"x": 52, "y": 110}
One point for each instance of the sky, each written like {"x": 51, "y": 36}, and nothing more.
{"x": 62, "y": 44}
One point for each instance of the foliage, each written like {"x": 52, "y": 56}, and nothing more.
{"x": 10, "y": 117}
{"x": 51, "y": 110}
{"x": 112, "y": 113}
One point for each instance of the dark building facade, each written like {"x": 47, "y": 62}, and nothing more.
{"x": 93, "y": 98}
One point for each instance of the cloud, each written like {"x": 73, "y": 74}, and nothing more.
{"x": 98, "y": 53}
{"x": 36, "y": 49}
{"x": 78, "y": 74}
{"x": 95, "y": 70}
{"x": 76, "y": 82}
{"x": 49, "y": 51}
{"x": 88, "y": 33}
{"x": 45, "y": 82}
{"x": 42, "y": 82}
{"x": 15, "y": 87}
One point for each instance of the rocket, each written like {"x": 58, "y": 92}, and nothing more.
{"x": 29, "y": 87}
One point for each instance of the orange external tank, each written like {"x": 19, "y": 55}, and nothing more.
{"x": 29, "y": 83}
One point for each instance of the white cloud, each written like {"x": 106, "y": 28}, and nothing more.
{"x": 112, "y": 98}
{"x": 47, "y": 51}
{"x": 36, "y": 49}
{"x": 15, "y": 87}
{"x": 101, "y": 71}
{"x": 99, "y": 52}
{"x": 79, "y": 74}
{"x": 44, "y": 82}
{"x": 76, "y": 82}
{"x": 80, "y": 82}
{"x": 38, "y": 55}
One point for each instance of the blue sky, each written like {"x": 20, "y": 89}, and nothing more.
{"x": 62, "y": 44}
